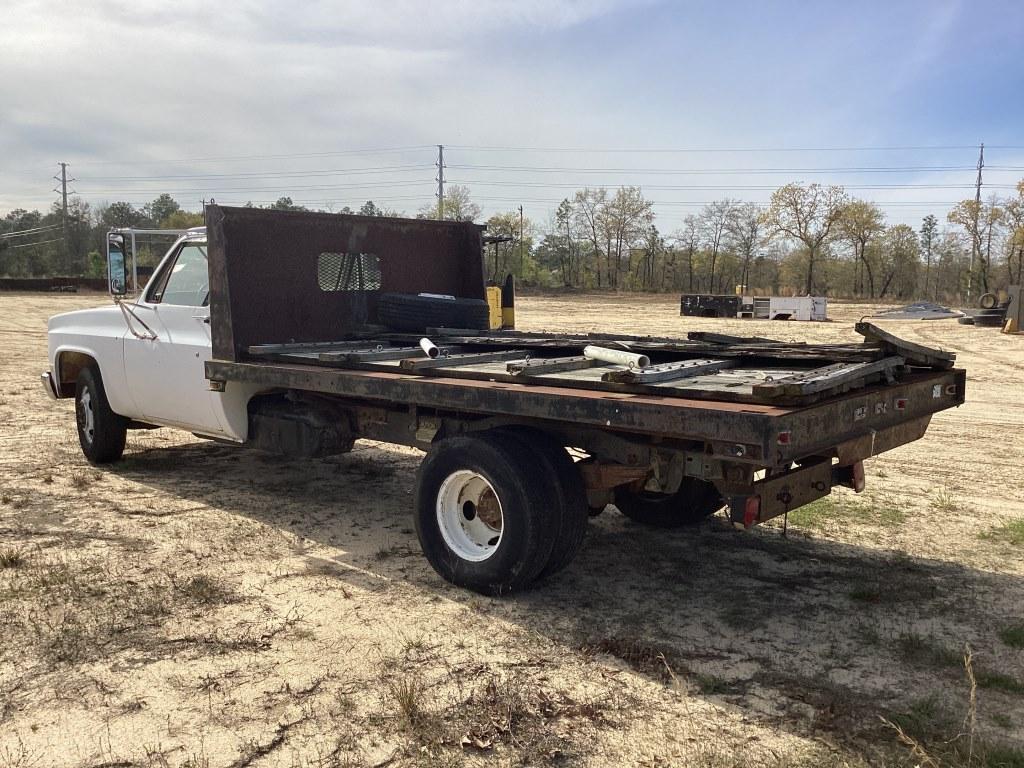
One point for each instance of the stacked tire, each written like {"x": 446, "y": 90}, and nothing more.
{"x": 414, "y": 313}
{"x": 990, "y": 318}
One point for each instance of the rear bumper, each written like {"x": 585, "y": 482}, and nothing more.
{"x": 50, "y": 385}
{"x": 778, "y": 494}
{"x": 843, "y": 464}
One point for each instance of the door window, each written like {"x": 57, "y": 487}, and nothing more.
{"x": 187, "y": 282}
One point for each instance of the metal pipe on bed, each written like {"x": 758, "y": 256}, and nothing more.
{"x": 616, "y": 356}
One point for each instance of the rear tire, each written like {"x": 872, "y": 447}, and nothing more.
{"x": 101, "y": 432}
{"x": 570, "y": 527}
{"x": 693, "y": 502}
{"x": 483, "y": 521}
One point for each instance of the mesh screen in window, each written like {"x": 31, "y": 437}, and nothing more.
{"x": 348, "y": 272}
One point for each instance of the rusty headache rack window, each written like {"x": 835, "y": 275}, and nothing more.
{"x": 348, "y": 272}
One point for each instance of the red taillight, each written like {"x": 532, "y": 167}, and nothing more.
{"x": 751, "y": 511}
{"x": 901, "y": 404}
{"x": 785, "y": 437}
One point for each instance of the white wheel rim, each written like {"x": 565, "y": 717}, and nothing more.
{"x": 87, "y": 419}
{"x": 469, "y": 515}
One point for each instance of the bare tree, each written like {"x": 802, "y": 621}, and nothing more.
{"x": 588, "y": 206}
{"x": 859, "y": 223}
{"x": 746, "y": 235}
{"x": 1014, "y": 219}
{"x": 626, "y": 219}
{"x": 714, "y": 221}
{"x": 900, "y": 260}
{"x": 457, "y": 206}
{"x": 807, "y": 214}
{"x": 981, "y": 221}
{"x": 687, "y": 240}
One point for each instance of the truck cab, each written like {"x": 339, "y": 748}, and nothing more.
{"x": 145, "y": 355}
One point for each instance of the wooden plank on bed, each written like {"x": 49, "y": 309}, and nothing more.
{"x": 915, "y": 354}
{"x": 683, "y": 369}
{"x": 724, "y": 338}
{"x": 827, "y": 377}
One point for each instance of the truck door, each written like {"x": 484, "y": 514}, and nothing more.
{"x": 166, "y": 374}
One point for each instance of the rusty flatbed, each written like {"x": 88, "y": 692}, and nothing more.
{"x": 668, "y": 430}
{"x": 722, "y": 424}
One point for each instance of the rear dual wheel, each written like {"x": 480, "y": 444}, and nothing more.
{"x": 694, "y": 501}
{"x": 497, "y": 511}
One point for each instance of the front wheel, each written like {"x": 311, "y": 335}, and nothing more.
{"x": 101, "y": 432}
{"x": 694, "y": 501}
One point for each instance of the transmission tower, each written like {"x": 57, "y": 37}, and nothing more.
{"x": 440, "y": 181}
{"x": 976, "y": 235}
{"x": 63, "y": 192}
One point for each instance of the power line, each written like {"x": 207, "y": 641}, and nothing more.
{"x": 193, "y": 190}
{"x": 711, "y": 150}
{"x": 723, "y": 171}
{"x": 33, "y": 231}
{"x": 726, "y": 187}
{"x": 233, "y": 158}
{"x": 266, "y": 174}
{"x": 32, "y": 245}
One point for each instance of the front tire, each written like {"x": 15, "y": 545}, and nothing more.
{"x": 482, "y": 519}
{"x": 101, "y": 432}
{"x": 694, "y": 501}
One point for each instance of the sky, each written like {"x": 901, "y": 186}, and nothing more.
{"x": 334, "y": 103}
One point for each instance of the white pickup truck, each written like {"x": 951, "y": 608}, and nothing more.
{"x": 141, "y": 363}
{"x": 300, "y": 332}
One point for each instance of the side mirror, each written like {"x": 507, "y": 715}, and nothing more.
{"x": 117, "y": 265}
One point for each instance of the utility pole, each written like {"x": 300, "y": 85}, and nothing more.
{"x": 63, "y": 192}
{"x": 976, "y": 235}
{"x": 440, "y": 181}
{"x": 520, "y": 241}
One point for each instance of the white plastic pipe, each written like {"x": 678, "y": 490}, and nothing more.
{"x": 616, "y": 356}
{"x": 428, "y": 347}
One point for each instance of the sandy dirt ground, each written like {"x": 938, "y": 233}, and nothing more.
{"x": 201, "y": 605}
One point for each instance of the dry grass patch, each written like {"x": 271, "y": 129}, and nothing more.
{"x": 510, "y": 715}
{"x": 943, "y": 500}
{"x": 11, "y": 558}
{"x": 1013, "y": 634}
{"x": 927, "y": 652}
{"x": 884, "y": 510}
{"x": 68, "y": 607}
{"x": 1010, "y": 533}
{"x": 938, "y": 736}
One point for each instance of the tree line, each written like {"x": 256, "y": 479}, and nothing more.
{"x": 808, "y": 239}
